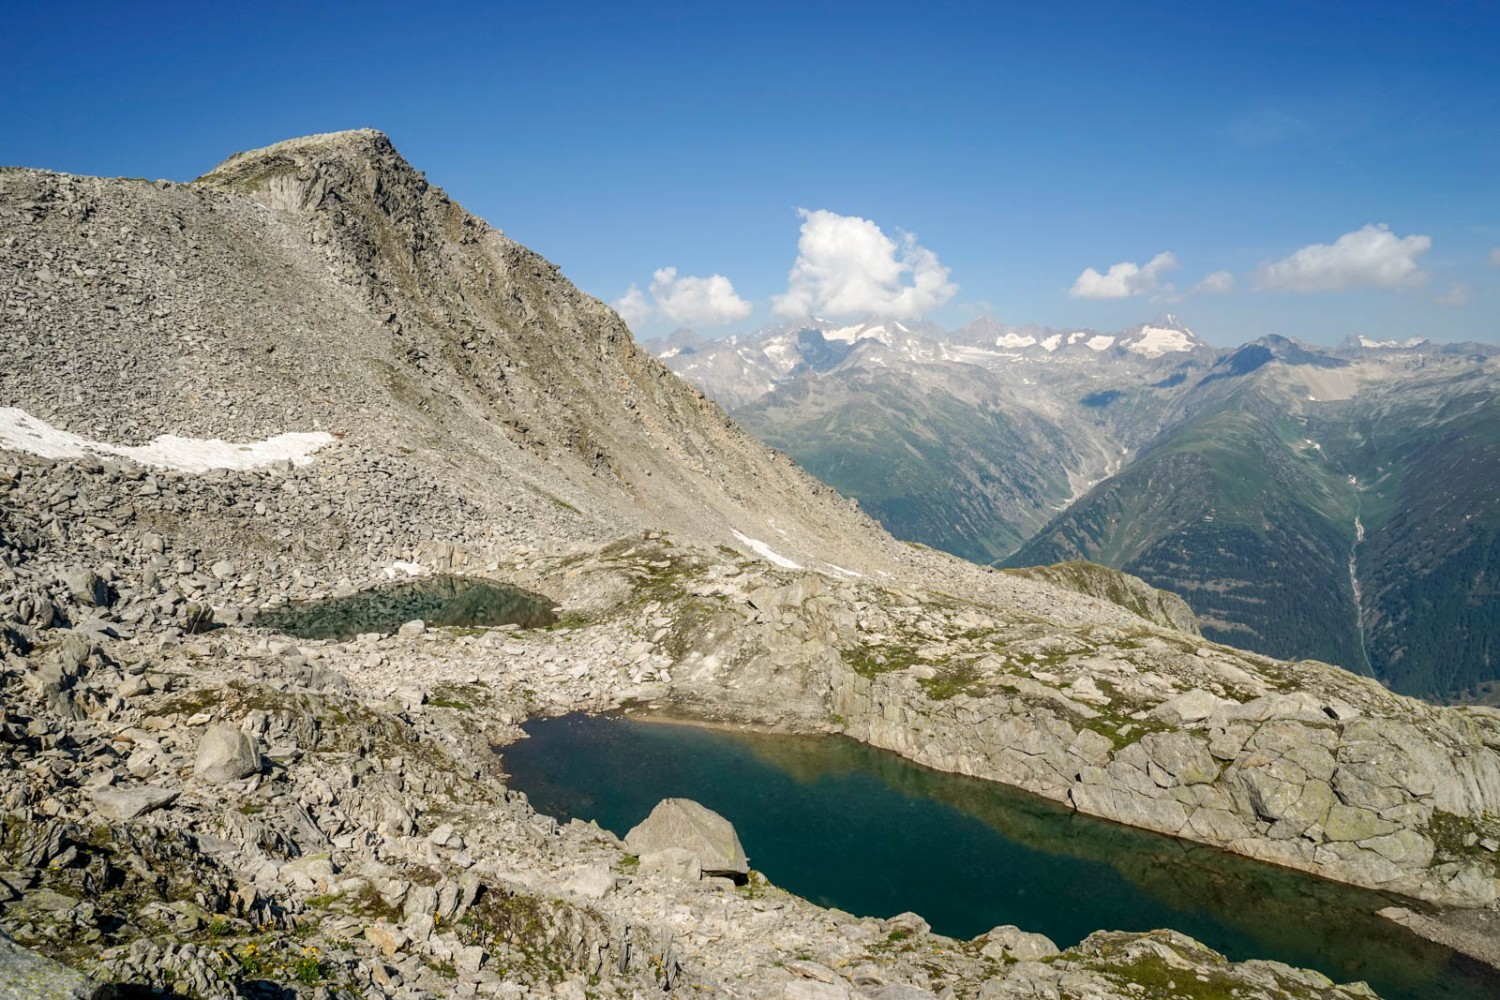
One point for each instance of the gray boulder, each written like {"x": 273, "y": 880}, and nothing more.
{"x": 25, "y": 975}
{"x": 226, "y": 754}
{"x": 1009, "y": 941}
{"x": 684, "y": 824}
{"x": 897, "y": 991}
{"x": 1190, "y": 706}
{"x": 87, "y": 586}
{"x": 123, "y": 804}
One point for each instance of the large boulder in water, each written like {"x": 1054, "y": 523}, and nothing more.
{"x": 688, "y": 826}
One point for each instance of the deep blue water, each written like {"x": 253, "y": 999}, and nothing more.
{"x": 868, "y": 832}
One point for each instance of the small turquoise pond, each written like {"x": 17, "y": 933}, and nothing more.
{"x": 439, "y": 600}
{"x": 866, "y": 831}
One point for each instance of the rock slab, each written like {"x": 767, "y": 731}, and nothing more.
{"x": 124, "y": 804}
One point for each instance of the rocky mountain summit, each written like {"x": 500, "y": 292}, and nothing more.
{"x": 200, "y": 807}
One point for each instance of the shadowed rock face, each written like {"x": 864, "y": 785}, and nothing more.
{"x": 685, "y": 825}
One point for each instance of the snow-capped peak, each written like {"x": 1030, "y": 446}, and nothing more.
{"x": 1388, "y": 345}
{"x": 1165, "y": 335}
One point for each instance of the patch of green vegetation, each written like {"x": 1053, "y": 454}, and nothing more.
{"x": 1456, "y": 838}
{"x": 368, "y": 901}
{"x": 445, "y": 968}
{"x": 324, "y": 901}
{"x": 309, "y": 967}
{"x": 570, "y": 620}
{"x": 953, "y": 679}
{"x": 1110, "y": 725}
{"x": 870, "y": 661}
{"x": 1118, "y": 715}
{"x": 1166, "y": 981}
{"x": 453, "y": 703}
{"x": 519, "y": 930}
{"x": 755, "y": 886}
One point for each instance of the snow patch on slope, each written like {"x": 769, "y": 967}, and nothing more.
{"x": 1015, "y": 340}
{"x": 765, "y": 551}
{"x": 1391, "y": 344}
{"x": 20, "y": 431}
{"x": 1154, "y": 341}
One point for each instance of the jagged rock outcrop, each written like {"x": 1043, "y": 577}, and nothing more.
{"x": 1159, "y": 606}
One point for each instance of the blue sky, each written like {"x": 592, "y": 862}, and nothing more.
{"x": 1260, "y": 146}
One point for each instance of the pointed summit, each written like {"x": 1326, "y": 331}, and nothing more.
{"x": 1164, "y": 335}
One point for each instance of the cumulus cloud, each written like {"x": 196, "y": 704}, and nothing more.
{"x": 1124, "y": 280}
{"x": 846, "y": 266}
{"x": 1456, "y": 295}
{"x": 633, "y": 307}
{"x": 683, "y": 299}
{"x": 694, "y": 301}
{"x": 1218, "y": 283}
{"x": 1372, "y": 257}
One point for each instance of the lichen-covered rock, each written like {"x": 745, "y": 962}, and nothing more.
{"x": 25, "y": 975}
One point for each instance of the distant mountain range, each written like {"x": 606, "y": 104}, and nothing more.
{"x": 1341, "y": 504}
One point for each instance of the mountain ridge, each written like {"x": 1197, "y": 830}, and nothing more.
{"x": 997, "y": 443}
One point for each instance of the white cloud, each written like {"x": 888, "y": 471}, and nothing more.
{"x": 1456, "y": 295}
{"x": 633, "y": 307}
{"x": 1218, "y": 283}
{"x": 1495, "y": 257}
{"x": 846, "y": 266}
{"x": 1124, "y": 280}
{"x": 693, "y": 301}
{"x": 1372, "y": 257}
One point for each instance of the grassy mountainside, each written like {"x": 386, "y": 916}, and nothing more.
{"x": 1428, "y": 462}
{"x": 1253, "y": 508}
{"x": 928, "y": 461}
{"x": 1239, "y": 514}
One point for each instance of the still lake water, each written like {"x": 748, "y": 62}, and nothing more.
{"x": 863, "y": 830}
{"x": 439, "y": 600}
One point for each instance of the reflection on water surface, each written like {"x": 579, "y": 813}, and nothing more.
{"x": 863, "y": 830}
